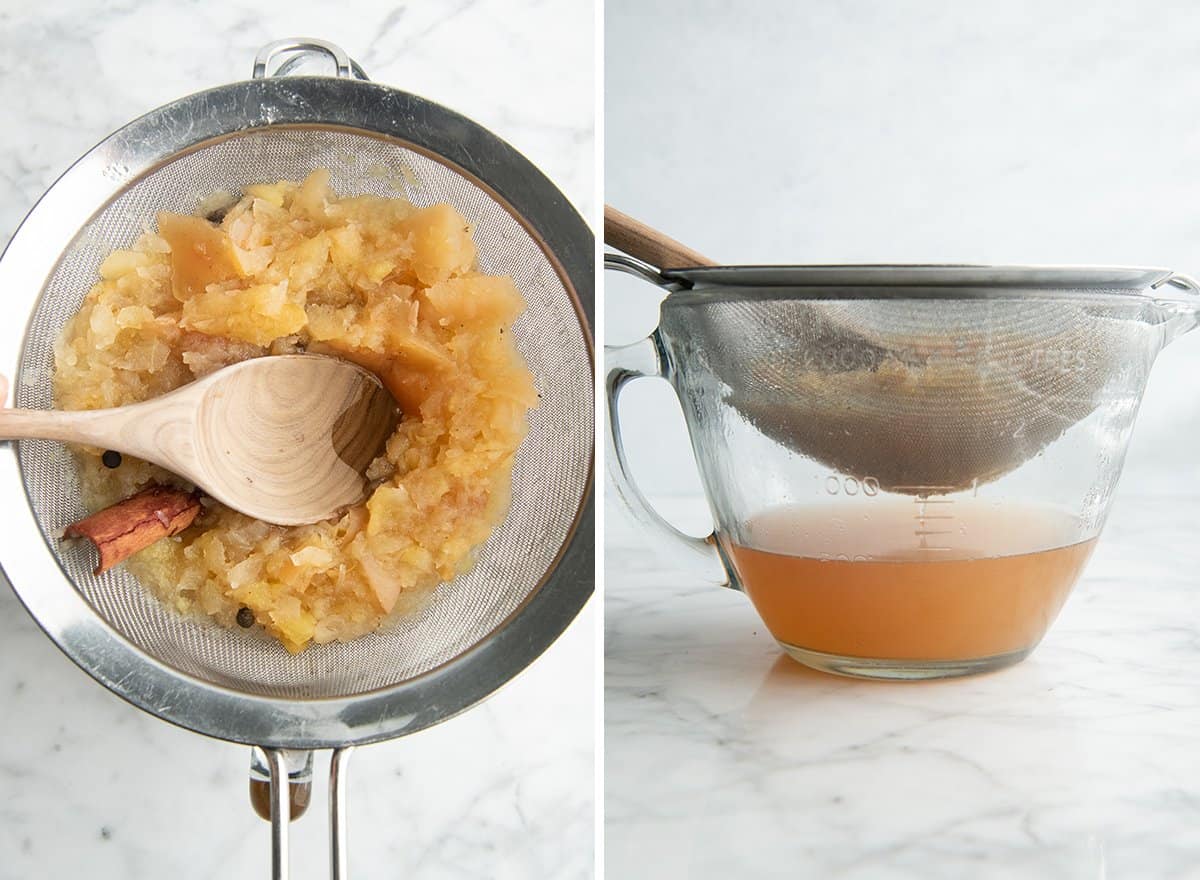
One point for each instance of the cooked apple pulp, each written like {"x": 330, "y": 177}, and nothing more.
{"x": 290, "y": 268}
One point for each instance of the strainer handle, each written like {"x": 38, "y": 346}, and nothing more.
{"x": 347, "y": 67}
{"x": 338, "y": 852}
{"x": 697, "y": 557}
{"x": 281, "y": 812}
{"x": 276, "y": 766}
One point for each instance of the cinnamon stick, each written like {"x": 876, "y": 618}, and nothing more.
{"x": 137, "y": 522}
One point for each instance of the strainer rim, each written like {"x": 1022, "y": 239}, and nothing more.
{"x": 899, "y": 280}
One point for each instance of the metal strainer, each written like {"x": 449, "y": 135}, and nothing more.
{"x": 939, "y": 389}
{"x": 929, "y": 379}
{"x": 535, "y": 572}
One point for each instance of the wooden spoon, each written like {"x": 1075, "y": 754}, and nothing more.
{"x": 648, "y": 244}
{"x": 283, "y": 439}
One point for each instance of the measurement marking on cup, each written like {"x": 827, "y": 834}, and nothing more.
{"x": 838, "y": 484}
{"x": 922, "y": 516}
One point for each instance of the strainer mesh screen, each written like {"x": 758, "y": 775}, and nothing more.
{"x": 549, "y": 478}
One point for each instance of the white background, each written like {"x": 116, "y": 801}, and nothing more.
{"x": 870, "y": 131}
{"x": 92, "y": 787}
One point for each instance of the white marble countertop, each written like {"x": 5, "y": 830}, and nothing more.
{"x": 90, "y": 786}
{"x": 724, "y": 758}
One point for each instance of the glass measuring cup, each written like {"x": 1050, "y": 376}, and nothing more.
{"x": 907, "y": 466}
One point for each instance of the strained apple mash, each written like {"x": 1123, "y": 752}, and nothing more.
{"x": 290, "y": 268}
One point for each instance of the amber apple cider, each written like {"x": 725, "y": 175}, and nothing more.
{"x": 920, "y": 580}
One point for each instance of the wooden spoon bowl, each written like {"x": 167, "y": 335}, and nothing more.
{"x": 283, "y": 439}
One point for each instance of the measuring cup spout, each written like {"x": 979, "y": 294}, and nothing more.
{"x": 1178, "y": 300}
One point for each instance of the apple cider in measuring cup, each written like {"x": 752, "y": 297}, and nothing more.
{"x": 925, "y": 578}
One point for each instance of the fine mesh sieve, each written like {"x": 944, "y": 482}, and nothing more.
{"x": 925, "y": 379}
{"x": 553, "y": 463}
{"x": 532, "y": 575}
{"x": 926, "y": 396}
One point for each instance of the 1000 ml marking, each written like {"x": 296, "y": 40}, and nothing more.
{"x": 839, "y": 484}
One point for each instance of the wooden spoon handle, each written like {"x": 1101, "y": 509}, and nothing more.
{"x": 90, "y": 428}
{"x": 647, "y": 244}
{"x": 158, "y": 430}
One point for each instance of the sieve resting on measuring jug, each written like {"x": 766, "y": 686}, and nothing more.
{"x": 907, "y": 466}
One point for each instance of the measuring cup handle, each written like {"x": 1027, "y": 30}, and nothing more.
{"x": 697, "y": 557}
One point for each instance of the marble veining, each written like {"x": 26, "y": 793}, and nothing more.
{"x": 89, "y": 785}
{"x": 725, "y": 758}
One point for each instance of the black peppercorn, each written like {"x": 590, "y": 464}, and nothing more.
{"x": 111, "y": 458}
{"x": 245, "y": 617}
